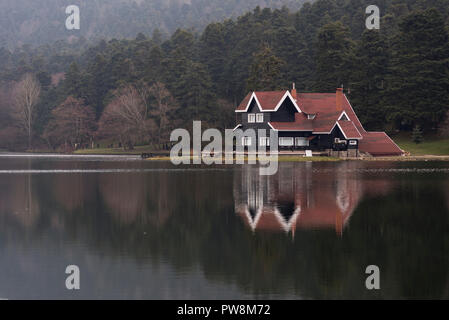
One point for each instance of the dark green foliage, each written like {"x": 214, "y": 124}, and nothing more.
{"x": 333, "y": 57}
{"x": 396, "y": 77}
{"x": 367, "y": 87}
{"x": 265, "y": 71}
{"x": 417, "y": 136}
{"x": 419, "y": 83}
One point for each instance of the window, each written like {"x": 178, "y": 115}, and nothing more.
{"x": 259, "y": 117}
{"x": 301, "y": 141}
{"x": 353, "y": 142}
{"x": 286, "y": 141}
{"x": 251, "y": 117}
{"x": 264, "y": 141}
{"x": 337, "y": 140}
{"x": 246, "y": 141}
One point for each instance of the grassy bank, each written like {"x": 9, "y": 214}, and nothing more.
{"x": 281, "y": 158}
{"x": 138, "y": 150}
{"x": 432, "y": 148}
{"x": 436, "y": 146}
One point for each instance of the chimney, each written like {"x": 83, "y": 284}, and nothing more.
{"x": 339, "y": 99}
{"x": 294, "y": 92}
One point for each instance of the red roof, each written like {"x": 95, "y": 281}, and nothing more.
{"x": 267, "y": 100}
{"x": 301, "y": 123}
{"x": 327, "y": 115}
{"x": 242, "y": 106}
{"x": 378, "y": 144}
{"x": 349, "y": 130}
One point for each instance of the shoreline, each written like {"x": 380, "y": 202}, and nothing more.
{"x": 281, "y": 157}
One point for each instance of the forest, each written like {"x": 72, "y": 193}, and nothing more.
{"x": 43, "y": 21}
{"x": 130, "y": 91}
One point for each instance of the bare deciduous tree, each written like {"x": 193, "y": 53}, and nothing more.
{"x": 73, "y": 124}
{"x": 26, "y": 95}
{"x": 126, "y": 116}
{"x": 165, "y": 103}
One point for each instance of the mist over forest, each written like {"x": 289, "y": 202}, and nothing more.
{"x": 43, "y": 21}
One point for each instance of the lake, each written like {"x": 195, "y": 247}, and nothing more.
{"x": 150, "y": 230}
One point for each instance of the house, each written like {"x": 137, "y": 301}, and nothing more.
{"x": 310, "y": 121}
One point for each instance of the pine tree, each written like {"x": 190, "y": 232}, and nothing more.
{"x": 417, "y": 135}
{"x": 369, "y": 69}
{"x": 72, "y": 82}
{"x": 265, "y": 72}
{"x": 419, "y": 83}
{"x": 213, "y": 52}
{"x": 334, "y": 52}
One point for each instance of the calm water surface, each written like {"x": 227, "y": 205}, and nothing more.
{"x": 149, "y": 230}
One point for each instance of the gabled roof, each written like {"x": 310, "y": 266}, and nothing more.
{"x": 267, "y": 101}
{"x": 327, "y": 117}
{"x": 349, "y": 130}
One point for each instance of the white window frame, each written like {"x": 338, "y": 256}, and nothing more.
{"x": 251, "y": 117}
{"x": 304, "y": 142}
{"x": 259, "y": 117}
{"x": 283, "y": 142}
{"x": 352, "y": 142}
{"x": 264, "y": 141}
{"x": 337, "y": 140}
{"x": 246, "y": 141}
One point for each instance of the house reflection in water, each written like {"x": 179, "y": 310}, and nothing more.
{"x": 299, "y": 196}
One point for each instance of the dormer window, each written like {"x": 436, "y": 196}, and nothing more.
{"x": 311, "y": 116}
{"x": 251, "y": 117}
{"x": 343, "y": 117}
{"x": 259, "y": 117}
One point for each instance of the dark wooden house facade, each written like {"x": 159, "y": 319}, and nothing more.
{"x": 309, "y": 121}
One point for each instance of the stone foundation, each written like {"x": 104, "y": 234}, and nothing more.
{"x": 350, "y": 153}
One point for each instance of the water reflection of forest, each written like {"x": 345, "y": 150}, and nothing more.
{"x": 309, "y": 231}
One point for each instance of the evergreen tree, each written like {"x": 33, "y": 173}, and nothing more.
{"x": 213, "y": 52}
{"x": 417, "y": 136}
{"x": 334, "y": 53}
{"x": 194, "y": 91}
{"x": 367, "y": 87}
{"x": 73, "y": 81}
{"x": 419, "y": 82}
{"x": 265, "y": 72}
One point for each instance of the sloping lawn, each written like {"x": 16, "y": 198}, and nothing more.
{"x": 118, "y": 151}
{"x": 430, "y": 146}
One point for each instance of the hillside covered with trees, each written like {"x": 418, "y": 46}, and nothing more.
{"x": 43, "y": 21}
{"x": 134, "y": 91}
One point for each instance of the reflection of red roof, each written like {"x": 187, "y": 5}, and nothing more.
{"x": 327, "y": 115}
